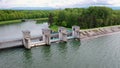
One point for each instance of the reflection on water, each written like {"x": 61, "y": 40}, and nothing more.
{"x": 46, "y": 52}
{"x": 27, "y": 59}
{"x": 55, "y": 56}
{"x": 102, "y": 52}
{"x": 8, "y": 32}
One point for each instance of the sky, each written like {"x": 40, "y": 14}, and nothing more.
{"x": 58, "y": 3}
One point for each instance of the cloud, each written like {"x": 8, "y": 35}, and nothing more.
{"x": 56, "y": 3}
{"x": 109, "y": 3}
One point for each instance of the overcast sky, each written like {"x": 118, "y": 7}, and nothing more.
{"x": 57, "y": 3}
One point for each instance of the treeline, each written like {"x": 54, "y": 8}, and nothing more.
{"x": 85, "y": 17}
{"x": 91, "y": 17}
{"x": 22, "y": 14}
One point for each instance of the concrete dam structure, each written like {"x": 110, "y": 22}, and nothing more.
{"x": 62, "y": 35}
{"x": 46, "y": 38}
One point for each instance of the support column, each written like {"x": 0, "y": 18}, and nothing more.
{"x": 62, "y": 34}
{"x": 26, "y": 39}
{"x": 76, "y": 32}
{"x": 46, "y": 36}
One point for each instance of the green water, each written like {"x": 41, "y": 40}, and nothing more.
{"x": 103, "y": 52}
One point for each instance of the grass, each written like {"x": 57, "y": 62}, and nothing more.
{"x": 9, "y": 22}
{"x": 40, "y": 19}
{"x": 55, "y": 28}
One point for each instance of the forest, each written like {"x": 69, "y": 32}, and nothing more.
{"x": 6, "y": 15}
{"x": 91, "y": 17}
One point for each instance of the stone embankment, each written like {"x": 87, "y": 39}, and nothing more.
{"x": 97, "y": 32}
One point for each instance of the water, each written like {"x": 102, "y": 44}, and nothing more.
{"x": 8, "y": 32}
{"x": 102, "y": 52}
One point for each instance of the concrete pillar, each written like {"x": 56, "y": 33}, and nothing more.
{"x": 46, "y": 36}
{"x": 76, "y": 32}
{"x": 62, "y": 34}
{"x": 26, "y": 39}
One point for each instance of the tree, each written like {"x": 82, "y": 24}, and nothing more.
{"x": 50, "y": 21}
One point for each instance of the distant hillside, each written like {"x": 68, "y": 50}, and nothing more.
{"x": 47, "y": 8}
{"x": 33, "y": 8}
{"x": 115, "y": 8}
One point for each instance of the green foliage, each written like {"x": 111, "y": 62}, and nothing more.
{"x": 54, "y": 28}
{"x": 50, "y": 18}
{"x": 9, "y": 22}
{"x": 67, "y": 17}
{"x": 22, "y": 14}
{"x": 97, "y": 16}
{"x": 41, "y": 20}
{"x": 92, "y": 17}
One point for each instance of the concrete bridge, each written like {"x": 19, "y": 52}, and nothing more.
{"x": 45, "y": 39}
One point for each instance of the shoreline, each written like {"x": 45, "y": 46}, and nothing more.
{"x": 9, "y": 22}
{"x": 99, "y": 32}
{"x": 93, "y": 37}
{"x": 21, "y": 20}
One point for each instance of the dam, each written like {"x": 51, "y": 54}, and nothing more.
{"x": 102, "y": 52}
{"x": 45, "y": 39}
{"x": 44, "y": 36}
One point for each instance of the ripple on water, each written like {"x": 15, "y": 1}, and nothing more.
{"x": 102, "y": 52}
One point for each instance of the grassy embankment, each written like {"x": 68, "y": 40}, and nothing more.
{"x": 55, "y": 28}
{"x": 39, "y": 20}
{"x": 9, "y": 22}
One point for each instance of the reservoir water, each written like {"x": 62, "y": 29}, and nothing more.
{"x": 102, "y": 52}
{"x": 8, "y": 32}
